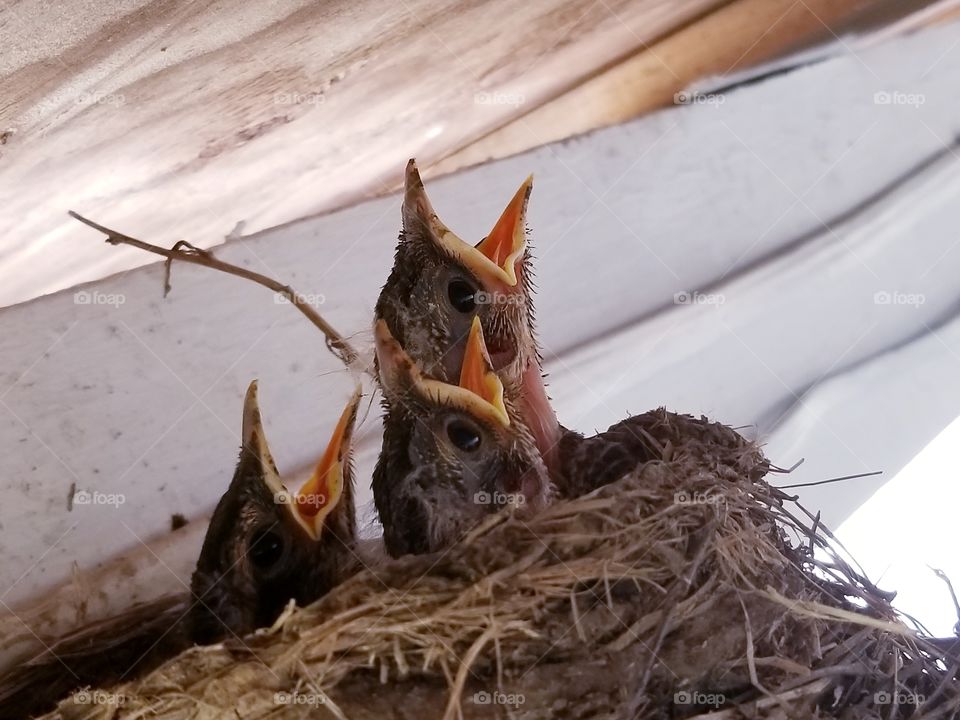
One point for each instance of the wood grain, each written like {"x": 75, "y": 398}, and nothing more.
{"x": 731, "y": 38}
{"x": 184, "y": 120}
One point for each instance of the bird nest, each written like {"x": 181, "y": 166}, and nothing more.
{"x": 688, "y": 588}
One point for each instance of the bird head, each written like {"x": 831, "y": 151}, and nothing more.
{"x": 452, "y": 453}
{"x": 439, "y": 283}
{"x": 266, "y": 545}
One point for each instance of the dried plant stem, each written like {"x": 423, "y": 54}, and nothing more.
{"x": 185, "y": 252}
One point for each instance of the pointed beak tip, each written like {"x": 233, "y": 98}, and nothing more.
{"x": 477, "y": 374}
{"x": 518, "y": 202}
{"x": 412, "y": 176}
{"x": 322, "y": 492}
{"x": 343, "y": 432}
{"x": 252, "y": 423}
{"x": 475, "y": 358}
{"x": 351, "y": 411}
{"x": 505, "y": 244}
{"x": 381, "y": 334}
{"x": 476, "y": 327}
{"x": 385, "y": 345}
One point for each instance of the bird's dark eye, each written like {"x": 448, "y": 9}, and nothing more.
{"x": 266, "y": 548}
{"x": 462, "y": 295}
{"x": 463, "y": 436}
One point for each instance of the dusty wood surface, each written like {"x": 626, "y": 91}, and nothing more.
{"x": 729, "y": 39}
{"x": 147, "y": 572}
{"x": 137, "y": 115}
{"x": 130, "y": 109}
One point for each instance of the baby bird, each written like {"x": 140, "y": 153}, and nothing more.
{"x": 451, "y": 453}
{"x": 266, "y": 545}
{"x": 440, "y": 284}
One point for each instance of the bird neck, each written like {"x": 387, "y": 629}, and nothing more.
{"x": 537, "y": 411}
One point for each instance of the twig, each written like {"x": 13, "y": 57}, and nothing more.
{"x": 186, "y": 252}
{"x": 813, "y": 532}
{"x": 831, "y": 480}
{"x": 858, "y": 574}
{"x": 956, "y": 604}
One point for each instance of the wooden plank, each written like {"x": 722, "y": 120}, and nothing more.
{"x": 821, "y": 345}
{"x": 895, "y": 402}
{"x": 132, "y": 112}
{"x": 146, "y": 573}
{"x": 729, "y": 39}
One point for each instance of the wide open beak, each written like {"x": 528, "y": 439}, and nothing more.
{"x": 505, "y": 244}
{"x": 480, "y": 392}
{"x": 494, "y": 259}
{"x": 255, "y": 442}
{"x": 320, "y": 494}
{"x": 477, "y": 375}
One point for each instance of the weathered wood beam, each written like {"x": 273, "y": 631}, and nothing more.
{"x": 731, "y": 38}
{"x": 137, "y": 115}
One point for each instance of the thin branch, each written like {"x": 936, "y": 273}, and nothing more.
{"x": 831, "y": 480}
{"x": 956, "y": 604}
{"x": 186, "y": 252}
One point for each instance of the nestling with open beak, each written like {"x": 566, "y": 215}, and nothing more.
{"x": 439, "y": 284}
{"x": 266, "y": 545}
{"x": 451, "y": 453}
{"x": 263, "y": 547}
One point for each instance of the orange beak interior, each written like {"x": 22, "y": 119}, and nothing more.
{"x": 505, "y": 243}
{"x": 476, "y": 373}
{"x": 479, "y": 392}
{"x": 321, "y": 493}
